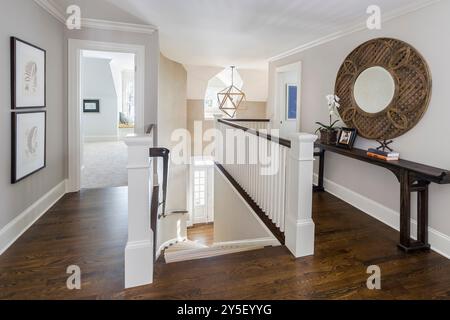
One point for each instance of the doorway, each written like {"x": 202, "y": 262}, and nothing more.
{"x": 202, "y": 191}
{"x": 107, "y": 117}
{"x": 287, "y": 99}
{"x": 106, "y": 103}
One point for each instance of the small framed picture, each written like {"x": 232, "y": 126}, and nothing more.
{"x": 291, "y": 101}
{"x": 347, "y": 138}
{"x": 28, "y": 144}
{"x": 91, "y": 106}
{"x": 28, "y": 75}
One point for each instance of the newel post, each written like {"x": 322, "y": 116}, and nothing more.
{"x": 139, "y": 250}
{"x": 300, "y": 226}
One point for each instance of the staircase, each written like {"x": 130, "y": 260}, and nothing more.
{"x": 191, "y": 250}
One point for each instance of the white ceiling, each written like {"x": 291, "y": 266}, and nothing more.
{"x": 245, "y": 33}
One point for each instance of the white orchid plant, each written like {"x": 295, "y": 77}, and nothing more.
{"x": 333, "y": 111}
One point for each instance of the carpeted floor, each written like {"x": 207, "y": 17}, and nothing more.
{"x": 105, "y": 165}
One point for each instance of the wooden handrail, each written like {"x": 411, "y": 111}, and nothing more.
{"x": 154, "y": 213}
{"x": 284, "y": 142}
{"x": 247, "y": 120}
{"x": 164, "y": 154}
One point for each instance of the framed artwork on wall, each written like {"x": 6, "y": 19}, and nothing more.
{"x": 28, "y": 75}
{"x": 28, "y": 144}
{"x": 291, "y": 101}
{"x": 91, "y": 106}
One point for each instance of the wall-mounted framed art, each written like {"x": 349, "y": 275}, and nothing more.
{"x": 28, "y": 144}
{"x": 91, "y": 106}
{"x": 28, "y": 75}
{"x": 291, "y": 101}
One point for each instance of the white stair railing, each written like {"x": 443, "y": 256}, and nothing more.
{"x": 277, "y": 174}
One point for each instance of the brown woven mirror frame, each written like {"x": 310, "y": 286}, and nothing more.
{"x": 412, "y": 88}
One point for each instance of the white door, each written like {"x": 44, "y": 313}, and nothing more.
{"x": 288, "y": 99}
{"x": 202, "y": 185}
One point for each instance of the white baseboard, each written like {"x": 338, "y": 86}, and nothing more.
{"x": 13, "y": 230}
{"x": 101, "y": 139}
{"x": 264, "y": 242}
{"x": 167, "y": 244}
{"x": 439, "y": 242}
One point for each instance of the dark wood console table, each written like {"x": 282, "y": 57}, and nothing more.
{"x": 413, "y": 177}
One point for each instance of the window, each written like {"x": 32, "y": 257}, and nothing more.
{"x": 199, "y": 188}
{"x": 219, "y": 82}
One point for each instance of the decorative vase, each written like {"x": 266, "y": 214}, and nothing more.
{"x": 328, "y": 136}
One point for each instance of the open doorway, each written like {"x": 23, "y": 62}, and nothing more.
{"x": 108, "y": 115}
{"x": 287, "y": 98}
{"x": 106, "y": 103}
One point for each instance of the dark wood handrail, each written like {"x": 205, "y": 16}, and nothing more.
{"x": 284, "y": 142}
{"x": 154, "y": 213}
{"x": 247, "y": 120}
{"x": 164, "y": 154}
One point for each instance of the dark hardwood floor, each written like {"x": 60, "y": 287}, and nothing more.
{"x": 89, "y": 230}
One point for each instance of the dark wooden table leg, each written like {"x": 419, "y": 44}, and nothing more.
{"x": 405, "y": 211}
{"x": 406, "y": 185}
{"x": 422, "y": 216}
{"x": 320, "y": 186}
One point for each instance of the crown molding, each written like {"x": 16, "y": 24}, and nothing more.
{"x": 356, "y": 28}
{"x": 51, "y": 8}
{"x": 117, "y": 26}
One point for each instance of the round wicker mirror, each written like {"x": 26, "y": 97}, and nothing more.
{"x": 379, "y": 115}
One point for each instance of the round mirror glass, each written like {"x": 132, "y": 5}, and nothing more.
{"x": 374, "y": 89}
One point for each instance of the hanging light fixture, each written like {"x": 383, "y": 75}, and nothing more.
{"x": 231, "y": 98}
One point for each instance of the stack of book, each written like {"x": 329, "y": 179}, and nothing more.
{"x": 382, "y": 155}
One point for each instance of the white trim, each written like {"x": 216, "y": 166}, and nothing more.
{"x": 204, "y": 253}
{"x": 439, "y": 241}
{"x": 117, "y": 26}
{"x": 16, "y": 228}
{"x": 51, "y": 8}
{"x": 102, "y": 139}
{"x": 168, "y": 244}
{"x": 358, "y": 27}
{"x": 262, "y": 242}
{"x": 74, "y": 97}
{"x": 247, "y": 205}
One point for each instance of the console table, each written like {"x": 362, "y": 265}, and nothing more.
{"x": 413, "y": 177}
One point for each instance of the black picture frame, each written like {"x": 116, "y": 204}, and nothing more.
{"x": 14, "y": 156}
{"x": 346, "y": 138}
{"x": 91, "y": 101}
{"x": 14, "y": 103}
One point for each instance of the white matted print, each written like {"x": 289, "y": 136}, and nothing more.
{"x": 28, "y": 74}
{"x": 29, "y": 144}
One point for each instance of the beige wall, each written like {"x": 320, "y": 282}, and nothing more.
{"x": 196, "y": 113}
{"x": 230, "y": 208}
{"x": 375, "y": 189}
{"x": 26, "y": 20}
{"x": 172, "y": 115}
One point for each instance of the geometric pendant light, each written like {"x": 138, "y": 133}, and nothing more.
{"x": 230, "y": 98}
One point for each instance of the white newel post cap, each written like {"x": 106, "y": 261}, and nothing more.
{"x": 134, "y": 140}
{"x": 302, "y": 147}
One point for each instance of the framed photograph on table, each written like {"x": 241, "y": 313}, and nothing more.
{"x": 347, "y": 137}
{"x": 28, "y": 75}
{"x": 28, "y": 144}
